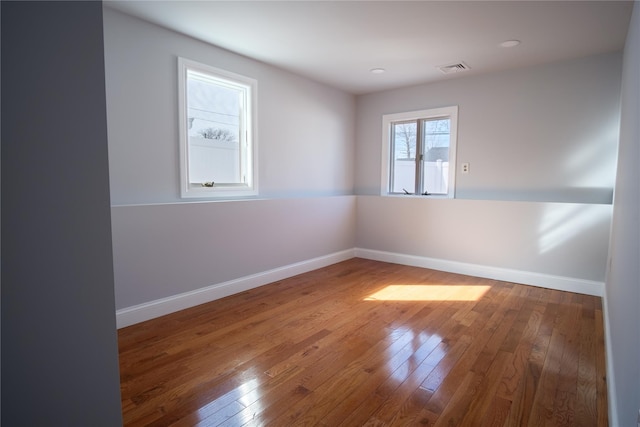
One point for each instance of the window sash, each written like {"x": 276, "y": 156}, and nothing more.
{"x": 242, "y": 176}
{"x": 420, "y": 119}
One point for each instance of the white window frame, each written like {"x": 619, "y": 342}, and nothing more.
{"x": 248, "y": 134}
{"x": 387, "y": 157}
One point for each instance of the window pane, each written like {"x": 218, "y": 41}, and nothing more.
{"x": 435, "y": 165}
{"x": 404, "y": 159}
{"x": 214, "y": 111}
{"x": 419, "y": 152}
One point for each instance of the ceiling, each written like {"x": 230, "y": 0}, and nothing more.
{"x": 339, "y": 42}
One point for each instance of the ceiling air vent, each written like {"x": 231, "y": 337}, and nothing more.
{"x": 454, "y": 68}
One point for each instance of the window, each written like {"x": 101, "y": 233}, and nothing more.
{"x": 217, "y": 132}
{"x": 419, "y": 152}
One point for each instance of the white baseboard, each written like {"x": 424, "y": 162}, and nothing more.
{"x": 152, "y": 309}
{"x": 561, "y": 283}
{"x": 608, "y": 349}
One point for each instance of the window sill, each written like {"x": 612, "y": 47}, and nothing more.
{"x": 218, "y": 193}
{"x": 418, "y": 196}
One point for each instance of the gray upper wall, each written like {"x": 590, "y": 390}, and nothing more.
{"x": 305, "y": 129}
{"x": 544, "y": 133}
{"x": 59, "y": 343}
{"x": 622, "y": 291}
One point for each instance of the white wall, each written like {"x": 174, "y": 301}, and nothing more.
{"x": 541, "y": 143}
{"x": 546, "y": 133}
{"x": 558, "y": 245}
{"x": 165, "y": 248}
{"x": 305, "y": 130}
{"x": 622, "y": 294}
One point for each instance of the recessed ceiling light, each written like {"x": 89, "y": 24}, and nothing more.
{"x": 510, "y": 43}
{"x": 377, "y": 70}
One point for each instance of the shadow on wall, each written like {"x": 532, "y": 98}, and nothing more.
{"x": 593, "y": 165}
{"x": 564, "y": 222}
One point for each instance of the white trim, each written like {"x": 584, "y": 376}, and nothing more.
{"x": 431, "y": 113}
{"x": 160, "y": 307}
{"x": 561, "y": 283}
{"x": 611, "y": 388}
{"x": 152, "y": 309}
{"x": 248, "y": 132}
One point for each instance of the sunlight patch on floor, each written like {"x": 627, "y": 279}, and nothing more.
{"x": 429, "y": 293}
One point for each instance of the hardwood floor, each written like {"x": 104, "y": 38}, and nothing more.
{"x": 369, "y": 343}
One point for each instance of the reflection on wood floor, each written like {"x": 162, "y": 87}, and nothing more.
{"x": 369, "y": 343}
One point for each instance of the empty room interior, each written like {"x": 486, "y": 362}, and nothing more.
{"x": 428, "y": 213}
